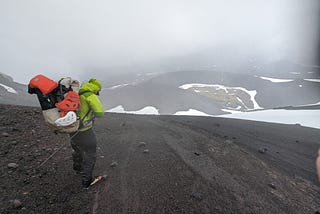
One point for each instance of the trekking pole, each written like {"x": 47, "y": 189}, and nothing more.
{"x": 55, "y": 152}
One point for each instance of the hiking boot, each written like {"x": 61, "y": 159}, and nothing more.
{"x": 94, "y": 180}
{"x": 86, "y": 183}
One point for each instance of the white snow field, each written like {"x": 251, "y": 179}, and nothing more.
{"x": 308, "y": 118}
{"x": 191, "y": 112}
{"x": 146, "y": 110}
{"x": 313, "y": 80}
{"x": 251, "y": 93}
{"x": 275, "y": 80}
{"x": 117, "y": 86}
{"x": 9, "y": 89}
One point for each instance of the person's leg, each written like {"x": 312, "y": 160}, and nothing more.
{"x": 77, "y": 154}
{"x": 89, "y": 158}
{"x": 318, "y": 164}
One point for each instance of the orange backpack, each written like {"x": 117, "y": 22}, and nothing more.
{"x": 43, "y": 83}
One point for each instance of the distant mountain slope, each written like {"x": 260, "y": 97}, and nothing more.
{"x": 219, "y": 91}
{"x": 15, "y": 93}
{"x": 211, "y": 89}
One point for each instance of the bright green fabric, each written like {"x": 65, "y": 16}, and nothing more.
{"x": 96, "y": 82}
{"x": 89, "y": 101}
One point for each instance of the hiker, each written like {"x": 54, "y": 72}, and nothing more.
{"x": 84, "y": 141}
{"x": 318, "y": 165}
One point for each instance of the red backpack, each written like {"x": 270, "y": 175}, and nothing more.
{"x": 43, "y": 83}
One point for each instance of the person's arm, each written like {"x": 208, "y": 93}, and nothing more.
{"x": 318, "y": 165}
{"x": 95, "y": 105}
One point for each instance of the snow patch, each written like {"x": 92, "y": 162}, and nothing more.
{"x": 192, "y": 112}
{"x": 242, "y": 102}
{"x": 308, "y": 118}
{"x": 230, "y": 111}
{"x": 118, "y": 86}
{"x": 276, "y": 80}
{"x": 313, "y": 80}
{"x": 252, "y": 93}
{"x": 9, "y": 89}
{"x": 150, "y": 110}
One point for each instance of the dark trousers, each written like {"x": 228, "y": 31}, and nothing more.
{"x": 84, "y": 156}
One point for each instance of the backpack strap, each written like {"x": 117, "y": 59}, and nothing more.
{"x": 81, "y": 122}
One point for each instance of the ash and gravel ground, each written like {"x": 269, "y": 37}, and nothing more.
{"x": 160, "y": 164}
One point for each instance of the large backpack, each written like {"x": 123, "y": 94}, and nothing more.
{"x": 59, "y": 102}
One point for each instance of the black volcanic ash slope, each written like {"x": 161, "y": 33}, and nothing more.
{"x": 169, "y": 164}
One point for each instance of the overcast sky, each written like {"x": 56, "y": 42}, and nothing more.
{"x": 70, "y": 37}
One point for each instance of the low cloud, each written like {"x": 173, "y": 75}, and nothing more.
{"x": 62, "y": 38}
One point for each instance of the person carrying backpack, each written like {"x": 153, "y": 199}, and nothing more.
{"x": 84, "y": 141}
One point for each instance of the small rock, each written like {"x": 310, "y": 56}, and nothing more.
{"x": 272, "y": 186}
{"x": 25, "y": 193}
{"x": 146, "y": 151}
{"x": 122, "y": 124}
{"x": 114, "y": 164}
{"x": 141, "y": 144}
{"x": 196, "y": 153}
{"x": 101, "y": 156}
{"x": 297, "y": 141}
{"x": 229, "y": 141}
{"x": 16, "y": 203}
{"x": 15, "y": 129}
{"x": 197, "y": 196}
{"x": 5, "y": 134}
{"x": 26, "y": 181}
{"x": 12, "y": 165}
{"x": 262, "y": 150}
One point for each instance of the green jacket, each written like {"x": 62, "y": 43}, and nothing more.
{"x": 89, "y": 102}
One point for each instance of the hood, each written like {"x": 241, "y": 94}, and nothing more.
{"x": 89, "y": 87}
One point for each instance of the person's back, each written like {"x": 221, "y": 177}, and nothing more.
{"x": 90, "y": 106}
{"x": 84, "y": 142}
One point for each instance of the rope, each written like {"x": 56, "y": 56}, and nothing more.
{"x": 55, "y": 152}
